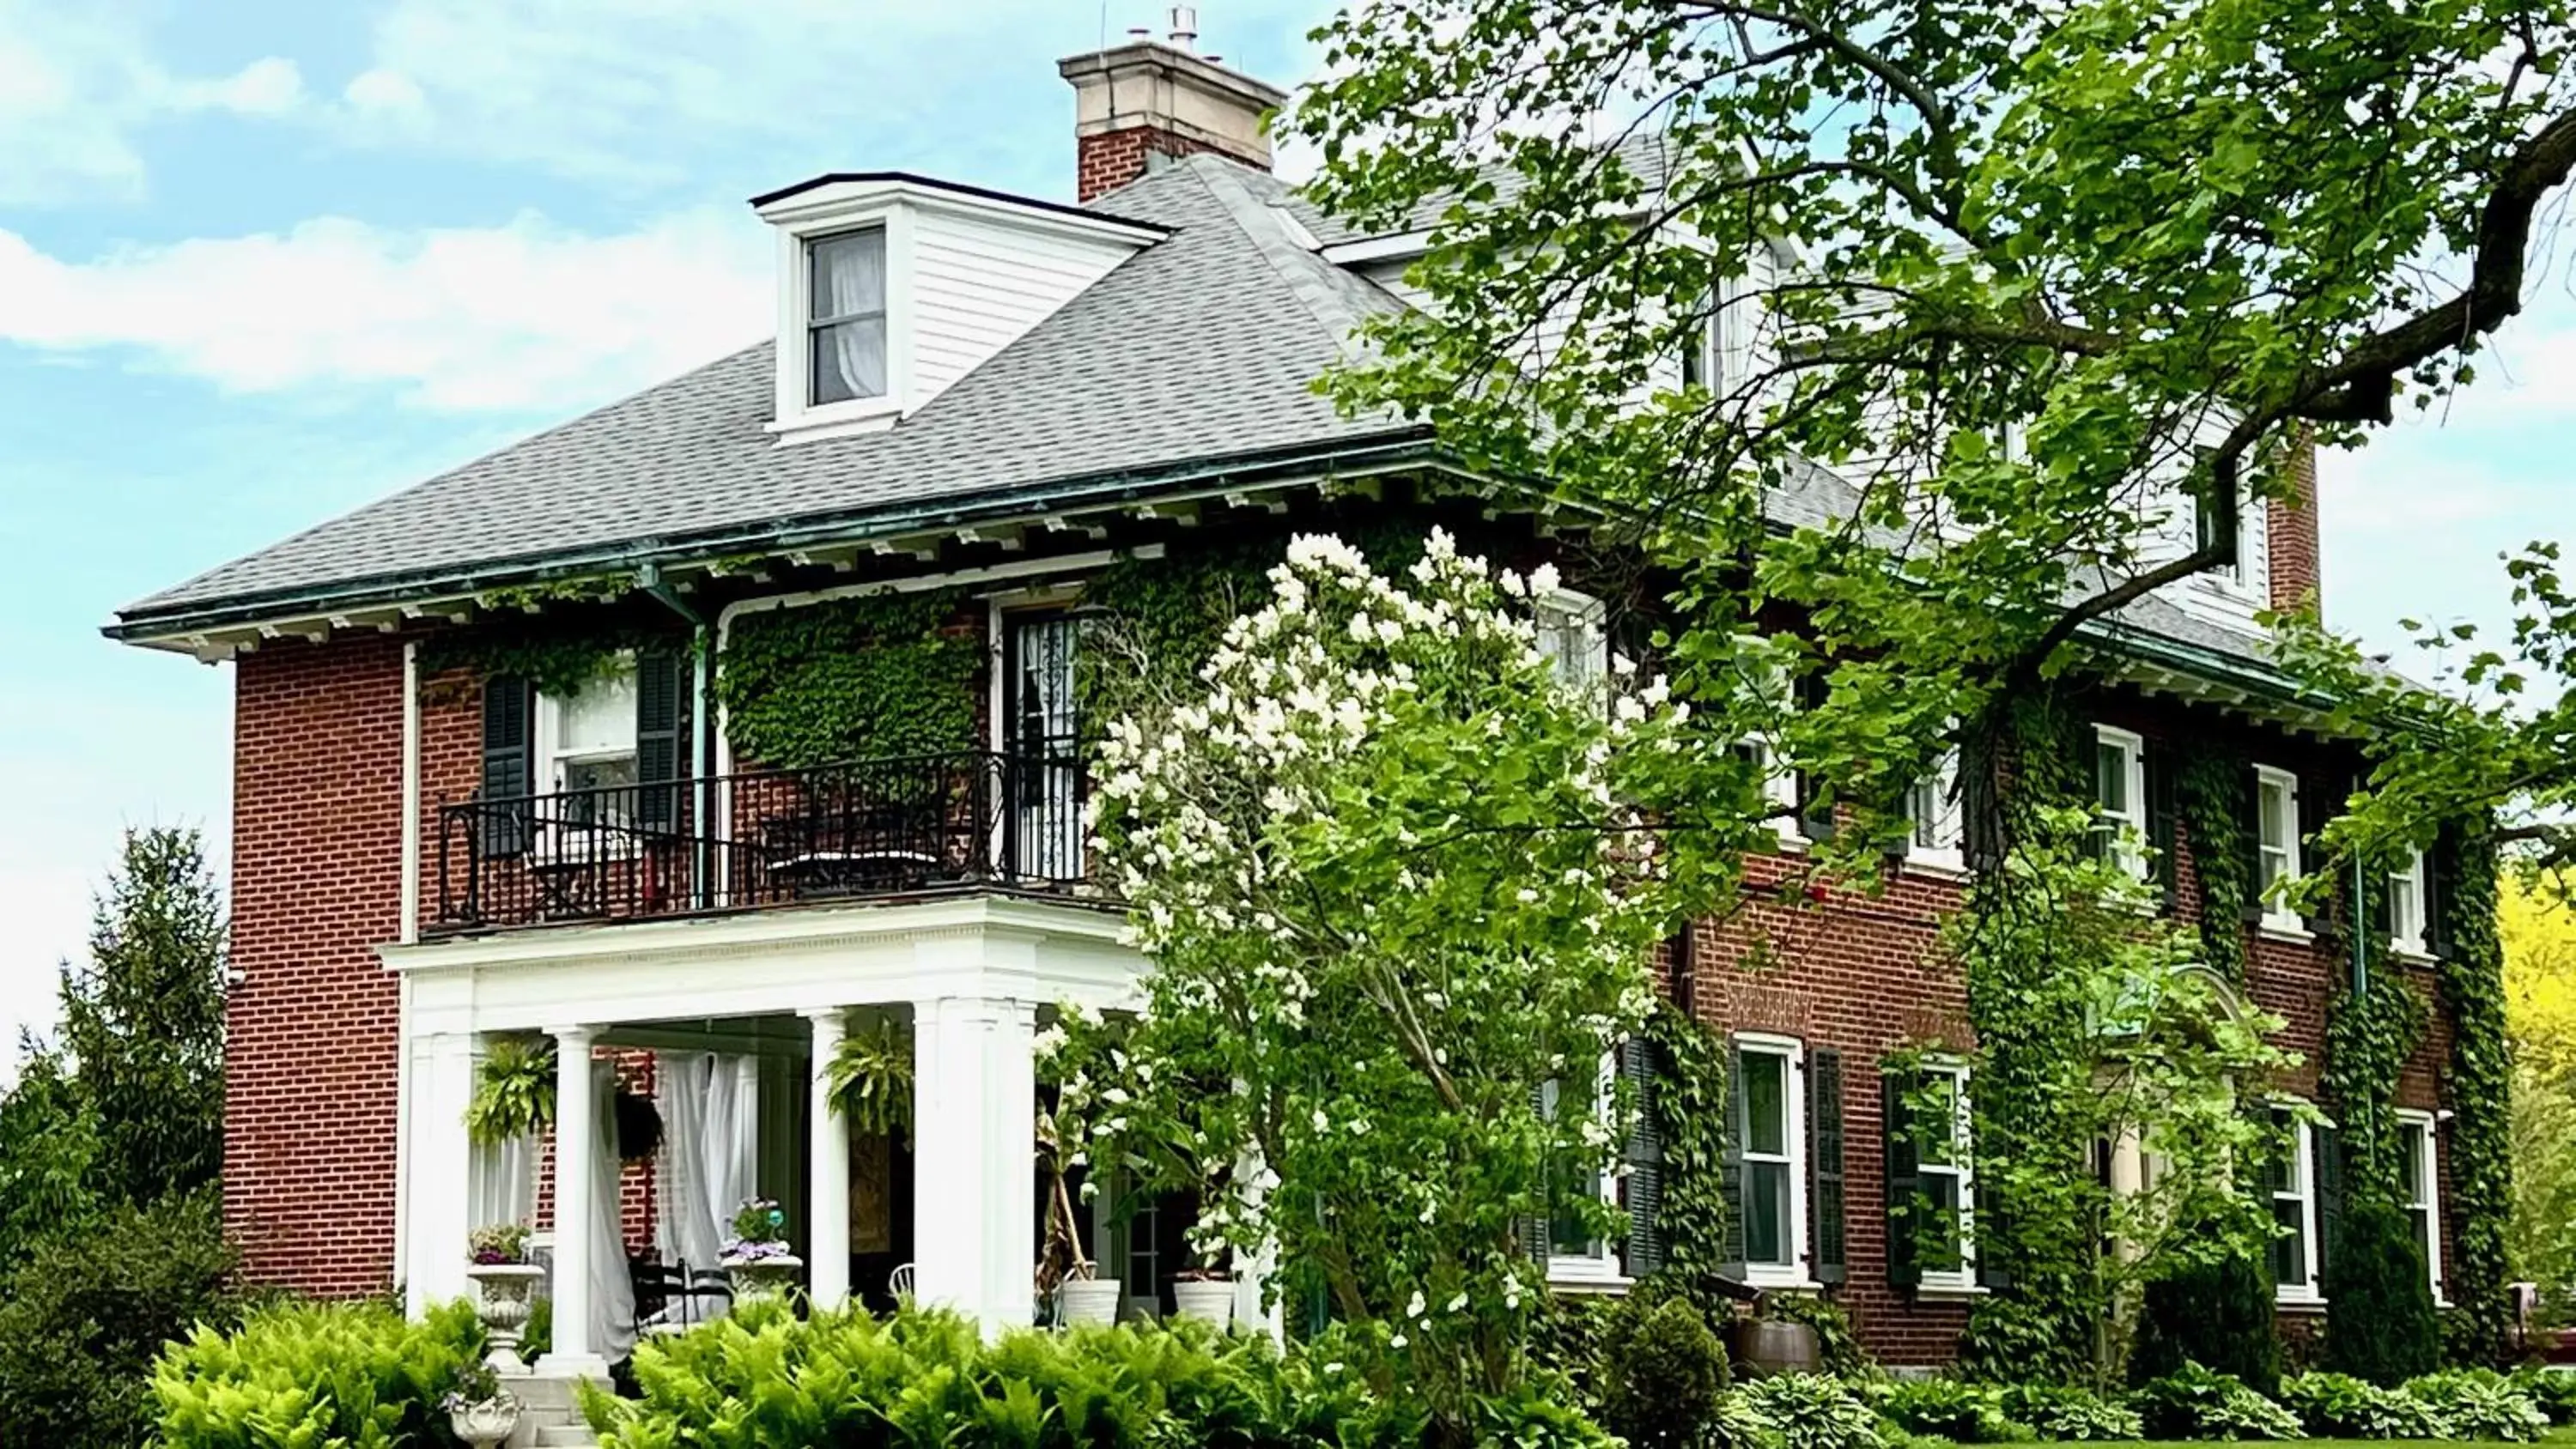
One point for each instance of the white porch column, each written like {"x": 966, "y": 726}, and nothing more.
{"x": 828, "y": 1211}
{"x": 438, "y": 1168}
{"x": 573, "y": 1353}
{"x": 974, "y": 1141}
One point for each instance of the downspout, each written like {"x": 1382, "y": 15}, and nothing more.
{"x": 701, "y": 725}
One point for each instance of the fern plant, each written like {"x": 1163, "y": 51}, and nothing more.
{"x": 870, "y": 1078}
{"x": 514, "y": 1092}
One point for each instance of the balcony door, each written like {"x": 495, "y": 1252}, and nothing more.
{"x": 1042, "y": 770}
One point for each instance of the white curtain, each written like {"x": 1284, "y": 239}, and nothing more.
{"x": 504, "y": 1188}
{"x": 710, "y": 1121}
{"x": 850, "y": 282}
{"x": 612, "y": 1291}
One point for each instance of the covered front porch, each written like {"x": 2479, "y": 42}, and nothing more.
{"x": 742, "y": 1014}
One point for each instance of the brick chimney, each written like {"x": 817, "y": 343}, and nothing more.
{"x": 2291, "y": 527}
{"x": 1150, "y": 99}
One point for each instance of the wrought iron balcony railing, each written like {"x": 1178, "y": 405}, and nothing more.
{"x": 865, "y": 829}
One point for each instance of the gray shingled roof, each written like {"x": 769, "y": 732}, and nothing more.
{"x": 1645, "y": 154}
{"x": 1202, "y": 347}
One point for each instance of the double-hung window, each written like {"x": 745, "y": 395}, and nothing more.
{"x": 2292, "y": 1178}
{"x": 1946, "y": 1234}
{"x": 1934, "y": 818}
{"x": 2120, "y": 798}
{"x": 1774, "y": 1153}
{"x": 586, "y": 750}
{"x": 845, "y": 317}
{"x": 2406, "y": 906}
{"x": 1574, "y": 637}
{"x": 2419, "y": 1189}
{"x": 2276, "y": 844}
{"x": 1574, "y": 1255}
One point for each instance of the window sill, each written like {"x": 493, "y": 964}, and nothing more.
{"x": 2287, "y": 933}
{"x": 1588, "y": 1281}
{"x": 1955, "y": 1291}
{"x": 2306, "y": 1301}
{"x": 838, "y": 420}
{"x": 2413, "y": 955}
{"x": 1782, "y": 1280}
{"x": 1937, "y": 866}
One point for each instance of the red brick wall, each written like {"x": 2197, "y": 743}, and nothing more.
{"x": 312, "y": 1027}
{"x": 1862, "y": 975}
{"x": 2292, "y": 529}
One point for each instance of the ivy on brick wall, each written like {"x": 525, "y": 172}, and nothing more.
{"x": 2211, "y": 797}
{"x": 2481, "y": 1147}
{"x": 866, "y": 676}
{"x": 1690, "y": 1116}
{"x": 2369, "y": 1035}
{"x": 559, "y": 650}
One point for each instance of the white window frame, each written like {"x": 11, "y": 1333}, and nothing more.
{"x": 795, "y": 417}
{"x": 552, "y": 759}
{"x": 2428, "y": 1181}
{"x": 1599, "y": 1266}
{"x": 2406, "y": 937}
{"x": 2278, "y": 916}
{"x": 1962, "y": 1168}
{"x": 1796, "y": 1272}
{"x": 1560, "y": 613}
{"x": 884, "y": 315}
{"x": 2129, "y": 826}
{"x": 1937, "y": 792}
{"x": 2303, "y": 1190}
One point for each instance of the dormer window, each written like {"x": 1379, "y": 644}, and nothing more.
{"x": 846, "y": 331}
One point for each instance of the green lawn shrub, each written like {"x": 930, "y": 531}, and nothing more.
{"x": 2480, "y": 1404}
{"x": 1947, "y": 1408}
{"x": 83, "y": 1319}
{"x": 1813, "y": 1411}
{"x": 2064, "y": 1412}
{"x": 2553, "y": 1389}
{"x": 2380, "y": 1322}
{"x": 1661, "y": 1374}
{"x": 2217, "y": 1315}
{"x": 2341, "y": 1406}
{"x": 2194, "y": 1402}
{"x": 763, "y": 1377}
{"x": 342, "y": 1375}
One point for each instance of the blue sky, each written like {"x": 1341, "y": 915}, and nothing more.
{"x": 262, "y": 262}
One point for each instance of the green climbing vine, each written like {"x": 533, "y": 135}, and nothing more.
{"x": 560, "y": 651}
{"x": 869, "y": 675}
{"x": 2481, "y": 1147}
{"x": 2370, "y": 1033}
{"x": 1690, "y": 1118}
{"x": 2210, "y": 798}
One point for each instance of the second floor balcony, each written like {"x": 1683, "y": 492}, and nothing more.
{"x": 864, "y": 829}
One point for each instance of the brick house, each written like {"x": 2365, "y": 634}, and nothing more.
{"x": 987, "y": 401}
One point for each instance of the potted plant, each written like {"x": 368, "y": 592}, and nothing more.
{"x": 1204, "y": 1292}
{"x": 756, "y": 1255}
{"x": 1065, "y": 1273}
{"x": 496, "y": 1258}
{"x": 514, "y": 1091}
{"x": 479, "y": 1410}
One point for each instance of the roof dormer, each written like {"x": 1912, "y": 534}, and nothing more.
{"x": 892, "y": 287}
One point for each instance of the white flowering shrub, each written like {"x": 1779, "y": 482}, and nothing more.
{"x": 1386, "y": 866}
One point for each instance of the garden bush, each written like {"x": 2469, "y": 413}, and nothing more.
{"x": 2060, "y": 1411}
{"x": 2553, "y": 1389}
{"x": 314, "y": 1374}
{"x": 82, "y": 1320}
{"x": 1812, "y": 1411}
{"x": 2201, "y": 1403}
{"x": 1660, "y": 1374}
{"x": 1944, "y": 1408}
{"x": 2341, "y": 1406}
{"x": 762, "y": 1377}
{"x": 2217, "y": 1315}
{"x": 2380, "y": 1322}
{"x": 2480, "y": 1404}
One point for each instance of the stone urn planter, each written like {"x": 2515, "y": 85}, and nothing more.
{"x": 755, "y": 1278}
{"x": 484, "y": 1423}
{"x": 1089, "y": 1300}
{"x": 503, "y": 1300}
{"x": 1210, "y": 1300}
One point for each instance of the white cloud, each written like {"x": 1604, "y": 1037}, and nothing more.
{"x": 525, "y": 316}
{"x": 78, "y": 82}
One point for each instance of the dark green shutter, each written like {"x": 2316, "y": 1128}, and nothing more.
{"x": 2315, "y": 809}
{"x": 2438, "y": 859}
{"x": 1815, "y": 812}
{"x": 509, "y": 765}
{"x": 1532, "y": 1228}
{"x": 2250, "y": 820}
{"x": 1904, "y": 1182}
{"x": 2328, "y": 1145}
{"x": 1825, "y": 1165}
{"x": 1645, "y": 1160}
{"x": 661, "y": 730}
{"x": 2160, "y": 819}
{"x": 1730, "y": 1166}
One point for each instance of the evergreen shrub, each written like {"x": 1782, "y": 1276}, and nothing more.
{"x": 2380, "y": 1322}
{"x": 2217, "y": 1315}
{"x": 1661, "y": 1372}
